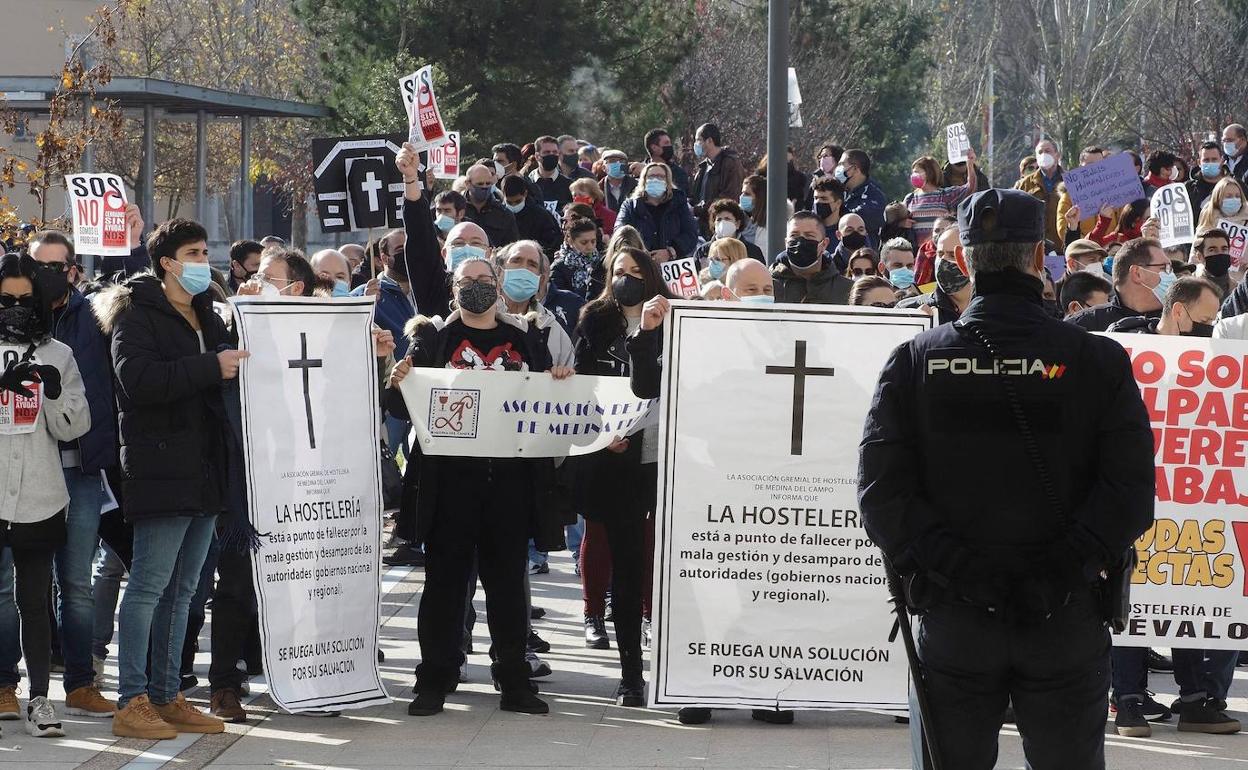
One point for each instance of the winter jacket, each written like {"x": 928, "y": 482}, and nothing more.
{"x": 627, "y": 185}
{"x": 703, "y": 252}
{"x": 1034, "y": 184}
{"x": 566, "y": 307}
{"x": 574, "y": 272}
{"x": 867, "y": 200}
{"x": 1199, "y": 189}
{"x": 1100, "y": 317}
{"x": 75, "y": 325}
{"x": 171, "y": 416}
{"x": 826, "y": 287}
{"x": 535, "y": 223}
{"x": 497, "y": 222}
{"x": 30, "y": 463}
{"x": 669, "y": 224}
{"x": 723, "y": 177}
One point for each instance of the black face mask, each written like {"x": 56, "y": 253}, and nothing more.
{"x": 1198, "y": 330}
{"x": 21, "y": 324}
{"x": 398, "y": 262}
{"x": 549, "y": 162}
{"x": 477, "y": 297}
{"x": 480, "y": 194}
{"x": 802, "y": 252}
{"x": 949, "y": 277}
{"x": 667, "y": 153}
{"x": 1051, "y": 307}
{"x": 628, "y": 290}
{"x": 1217, "y": 265}
{"x": 823, "y": 210}
{"x": 570, "y": 160}
{"x": 853, "y": 241}
{"x": 53, "y": 282}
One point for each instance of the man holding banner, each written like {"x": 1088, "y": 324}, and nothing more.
{"x": 1054, "y": 413}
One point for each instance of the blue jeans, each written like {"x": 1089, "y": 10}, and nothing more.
{"x": 536, "y": 557}
{"x": 396, "y": 435}
{"x": 1205, "y": 673}
{"x": 72, "y": 571}
{"x": 107, "y": 584}
{"x": 10, "y": 644}
{"x": 168, "y": 555}
{"x": 574, "y": 534}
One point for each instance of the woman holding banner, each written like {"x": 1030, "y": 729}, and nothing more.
{"x": 615, "y": 488}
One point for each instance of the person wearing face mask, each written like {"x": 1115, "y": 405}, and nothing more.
{"x": 863, "y": 196}
{"x": 1225, "y": 202}
{"x": 244, "y": 262}
{"x": 826, "y": 160}
{"x": 897, "y": 266}
{"x": 1190, "y": 309}
{"x": 925, "y": 255}
{"x": 805, "y": 271}
{"x": 929, "y": 200}
{"x": 33, "y": 529}
{"x": 727, "y": 221}
{"x": 954, "y": 289}
{"x": 578, "y": 267}
{"x": 1211, "y": 252}
{"x": 660, "y": 212}
{"x": 827, "y": 201}
{"x": 1162, "y": 170}
{"x": 748, "y": 281}
{"x": 722, "y": 255}
{"x": 1141, "y": 276}
{"x": 570, "y": 159}
{"x": 449, "y": 209}
{"x": 1043, "y": 184}
{"x": 1235, "y": 148}
{"x": 331, "y": 266}
{"x": 485, "y": 208}
{"x": 1080, "y": 291}
{"x": 1206, "y": 175}
{"x": 526, "y": 274}
{"x": 660, "y": 149}
{"x": 1083, "y": 256}
{"x": 588, "y": 193}
{"x": 617, "y": 185}
{"x": 720, "y": 172}
{"x": 171, "y": 353}
{"x": 753, "y": 202}
{"x": 461, "y": 519}
{"x": 850, "y": 235}
{"x": 533, "y": 221}
{"x": 554, "y": 185}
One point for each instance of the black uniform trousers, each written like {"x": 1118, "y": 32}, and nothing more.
{"x": 482, "y": 512}
{"x": 1056, "y": 673}
{"x": 234, "y": 620}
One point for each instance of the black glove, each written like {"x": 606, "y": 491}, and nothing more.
{"x": 50, "y": 376}
{"x": 17, "y": 373}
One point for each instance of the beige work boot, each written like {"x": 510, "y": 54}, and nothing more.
{"x": 185, "y": 718}
{"x": 139, "y": 719}
{"x": 87, "y": 702}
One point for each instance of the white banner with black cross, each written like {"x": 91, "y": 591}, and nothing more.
{"x": 768, "y": 591}
{"x": 310, "y": 415}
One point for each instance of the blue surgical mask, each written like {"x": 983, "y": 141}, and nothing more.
{"x": 656, "y": 188}
{"x": 839, "y": 174}
{"x": 901, "y": 277}
{"x": 195, "y": 277}
{"x": 746, "y": 202}
{"x": 698, "y": 149}
{"x": 1210, "y": 170}
{"x": 716, "y": 269}
{"x": 1166, "y": 280}
{"x": 444, "y": 223}
{"x": 1231, "y": 206}
{"x": 615, "y": 169}
{"x": 515, "y": 208}
{"x": 758, "y": 299}
{"x": 519, "y": 284}
{"x": 342, "y": 289}
{"x": 460, "y": 253}
{"x": 1229, "y": 148}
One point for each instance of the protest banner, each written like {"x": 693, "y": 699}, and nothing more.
{"x": 357, "y": 184}
{"x": 1238, "y": 234}
{"x": 98, "y": 205}
{"x": 681, "y": 277}
{"x": 1109, "y": 182}
{"x": 768, "y": 591}
{"x": 444, "y": 160}
{"x": 310, "y": 419}
{"x": 483, "y": 413}
{"x": 795, "y": 100}
{"x": 1173, "y": 210}
{"x": 425, "y": 126}
{"x": 18, "y": 413}
{"x": 1191, "y": 586}
{"x": 957, "y": 143}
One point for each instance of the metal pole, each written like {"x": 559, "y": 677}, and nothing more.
{"x": 201, "y": 167}
{"x": 245, "y": 224}
{"x": 992, "y": 128}
{"x": 777, "y": 123}
{"x": 88, "y": 151}
{"x": 148, "y": 203}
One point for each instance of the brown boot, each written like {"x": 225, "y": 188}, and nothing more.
{"x": 185, "y": 718}
{"x": 87, "y": 702}
{"x": 9, "y": 707}
{"x": 227, "y": 706}
{"x": 140, "y": 720}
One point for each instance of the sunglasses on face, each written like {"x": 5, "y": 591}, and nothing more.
{"x": 8, "y": 300}
{"x": 54, "y": 267}
{"x": 859, "y": 273}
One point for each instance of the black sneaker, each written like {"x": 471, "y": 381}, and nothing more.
{"x": 1204, "y": 716}
{"x": 523, "y": 701}
{"x": 536, "y": 613}
{"x": 631, "y": 693}
{"x": 1130, "y": 721}
{"x": 693, "y": 716}
{"x": 537, "y": 644}
{"x": 405, "y": 556}
{"x": 596, "y": 634}
{"x": 1243, "y": 659}
{"x": 1158, "y": 663}
{"x": 189, "y": 682}
{"x": 773, "y": 716}
{"x": 381, "y": 656}
{"x": 426, "y": 704}
{"x": 1154, "y": 711}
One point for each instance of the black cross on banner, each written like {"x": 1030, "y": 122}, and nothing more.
{"x": 799, "y": 372}
{"x": 305, "y": 363}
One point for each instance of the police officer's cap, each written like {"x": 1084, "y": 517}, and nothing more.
{"x": 994, "y": 215}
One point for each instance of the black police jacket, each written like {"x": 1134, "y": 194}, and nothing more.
{"x": 945, "y": 482}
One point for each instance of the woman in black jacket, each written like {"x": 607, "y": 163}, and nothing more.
{"x": 615, "y": 487}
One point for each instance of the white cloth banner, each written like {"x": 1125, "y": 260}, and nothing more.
{"x": 769, "y": 593}
{"x": 310, "y": 427}
{"x": 1191, "y": 586}
{"x": 470, "y": 413}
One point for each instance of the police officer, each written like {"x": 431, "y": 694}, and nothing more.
{"x": 1001, "y": 485}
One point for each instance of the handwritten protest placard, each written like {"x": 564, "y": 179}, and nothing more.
{"x": 957, "y": 143}
{"x": 98, "y": 203}
{"x": 681, "y": 277}
{"x": 1109, "y": 182}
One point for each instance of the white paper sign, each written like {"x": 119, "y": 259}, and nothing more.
{"x": 1173, "y": 209}
{"x": 310, "y": 427}
{"x": 18, "y": 414}
{"x": 681, "y": 277}
{"x": 425, "y": 126}
{"x": 98, "y": 205}
{"x": 769, "y": 592}
{"x": 957, "y": 143}
{"x": 444, "y": 160}
{"x": 1238, "y": 235}
{"x": 1191, "y": 586}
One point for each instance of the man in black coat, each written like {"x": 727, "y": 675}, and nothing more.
{"x": 1050, "y": 419}
{"x": 1142, "y": 273}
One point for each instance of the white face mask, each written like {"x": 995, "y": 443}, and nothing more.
{"x": 1174, "y": 173}
{"x": 725, "y": 228}
{"x": 269, "y": 290}
{"x": 1046, "y": 160}
{"x": 1094, "y": 268}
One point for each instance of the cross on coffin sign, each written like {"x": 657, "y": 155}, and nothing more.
{"x": 799, "y": 371}
{"x": 306, "y": 364}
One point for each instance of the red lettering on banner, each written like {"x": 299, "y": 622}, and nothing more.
{"x": 1240, "y": 528}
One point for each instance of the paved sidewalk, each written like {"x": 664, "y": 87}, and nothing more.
{"x": 585, "y": 728}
